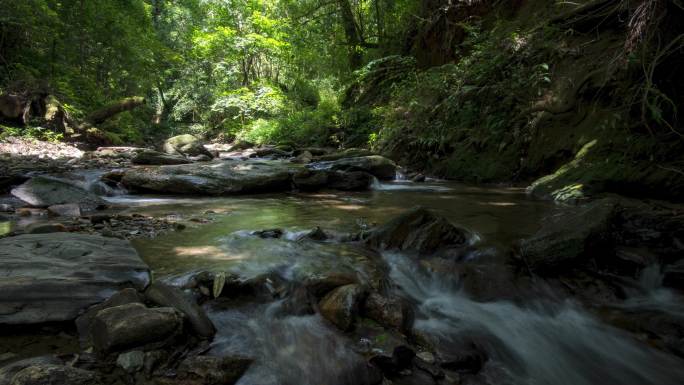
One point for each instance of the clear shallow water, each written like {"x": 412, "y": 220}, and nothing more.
{"x": 541, "y": 344}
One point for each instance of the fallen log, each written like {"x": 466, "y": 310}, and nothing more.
{"x": 128, "y": 104}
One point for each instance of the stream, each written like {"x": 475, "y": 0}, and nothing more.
{"x": 542, "y": 342}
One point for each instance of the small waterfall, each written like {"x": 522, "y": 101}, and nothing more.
{"x": 549, "y": 344}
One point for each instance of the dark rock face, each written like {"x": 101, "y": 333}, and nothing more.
{"x": 378, "y": 166}
{"x": 341, "y": 306}
{"x": 54, "y": 374}
{"x": 350, "y": 180}
{"x": 53, "y": 277}
{"x": 83, "y": 322}
{"x": 185, "y": 145}
{"x": 155, "y": 158}
{"x": 418, "y": 230}
{"x": 389, "y": 311}
{"x": 165, "y": 295}
{"x": 126, "y": 326}
{"x": 206, "y": 370}
{"x": 72, "y": 210}
{"x": 571, "y": 237}
{"x": 225, "y": 178}
{"x": 45, "y": 192}
{"x": 310, "y": 180}
{"x": 674, "y": 275}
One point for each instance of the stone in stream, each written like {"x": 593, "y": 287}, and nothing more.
{"x": 209, "y": 370}
{"x": 573, "y": 236}
{"x": 389, "y": 311}
{"x": 133, "y": 325}
{"x": 224, "y": 178}
{"x": 674, "y": 275}
{"x": 185, "y": 145}
{"x": 124, "y": 297}
{"x": 45, "y": 228}
{"x": 45, "y": 192}
{"x": 53, "y": 277}
{"x": 132, "y": 361}
{"x": 341, "y": 306}
{"x": 378, "y": 166}
{"x": 310, "y": 180}
{"x": 166, "y": 295}
{"x": 54, "y": 374}
{"x": 72, "y": 210}
{"x": 350, "y": 180}
{"x": 156, "y": 158}
{"x": 418, "y": 230}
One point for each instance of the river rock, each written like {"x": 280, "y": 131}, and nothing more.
{"x": 45, "y": 228}
{"x": 350, "y": 180}
{"x": 72, "y": 210}
{"x": 389, "y": 311}
{"x": 166, "y": 295}
{"x": 224, "y": 178}
{"x": 53, "y": 277}
{"x": 123, "y": 297}
{"x": 574, "y": 235}
{"x": 310, "y": 180}
{"x": 185, "y": 145}
{"x": 304, "y": 158}
{"x": 342, "y": 305}
{"x": 208, "y": 370}
{"x": 376, "y": 165}
{"x": 326, "y": 156}
{"x": 131, "y": 362}
{"x": 122, "y": 327}
{"x": 8, "y": 371}
{"x": 321, "y": 284}
{"x": 54, "y": 374}
{"x": 674, "y": 275}
{"x": 419, "y": 230}
{"x": 156, "y": 158}
{"x": 45, "y": 192}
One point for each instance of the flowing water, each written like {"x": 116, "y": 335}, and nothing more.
{"x": 543, "y": 342}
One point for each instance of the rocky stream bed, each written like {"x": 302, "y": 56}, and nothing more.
{"x": 260, "y": 266}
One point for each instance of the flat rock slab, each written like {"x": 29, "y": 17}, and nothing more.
{"x": 219, "y": 178}
{"x": 45, "y": 192}
{"x": 53, "y": 277}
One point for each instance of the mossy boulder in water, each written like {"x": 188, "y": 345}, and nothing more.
{"x": 156, "y": 158}
{"x": 185, "y": 145}
{"x": 341, "y": 306}
{"x": 571, "y": 236}
{"x": 419, "y": 230}
{"x": 378, "y": 166}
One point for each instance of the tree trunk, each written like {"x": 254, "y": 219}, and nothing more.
{"x": 111, "y": 110}
{"x": 351, "y": 31}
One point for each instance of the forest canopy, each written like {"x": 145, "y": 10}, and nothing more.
{"x": 260, "y": 70}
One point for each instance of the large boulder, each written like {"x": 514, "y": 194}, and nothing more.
{"x": 571, "y": 236}
{"x": 208, "y": 370}
{"x": 45, "y": 192}
{"x": 132, "y": 325}
{"x": 378, "y": 166}
{"x": 156, "y": 158}
{"x": 225, "y": 178}
{"x": 350, "y": 180}
{"x": 419, "y": 230}
{"x": 341, "y": 306}
{"x": 185, "y": 145}
{"x": 166, "y": 295}
{"x": 389, "y": 311}
{"x": 53, "y": 277}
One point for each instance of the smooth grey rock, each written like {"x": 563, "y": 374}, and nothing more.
{"x": 166, "y": 295}
{"x": 45, "y": 228}
{"x": 214, "y": 370}
{"x": 53, "y": 277}
{"x": 156, "y": 158}
{"x": 71, "y": 210}
{"x": 45, "y": 192}
{"x": 133, "y": 325}
{"x": 221, "y": 178}
{"x": 124, "y": 297}
{"x": 376, "y": 165}
{"x": 8, "y": 371}
{"x": 131, "y": 361}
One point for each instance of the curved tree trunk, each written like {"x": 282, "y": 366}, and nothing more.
{"x": 111, "y": 110}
